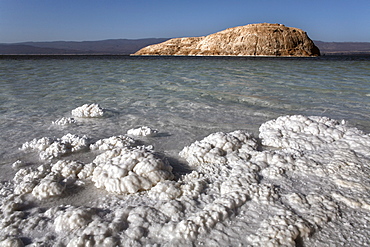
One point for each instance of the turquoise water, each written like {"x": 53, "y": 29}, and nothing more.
{"x": 186, "y": 99}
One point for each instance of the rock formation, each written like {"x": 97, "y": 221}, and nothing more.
{"x": 251, "y": 40}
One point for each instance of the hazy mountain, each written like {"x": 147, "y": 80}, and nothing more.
{"x": 130, "y": 46}
{"x": 328, "y": 48}
{"x": 114, "y": 46}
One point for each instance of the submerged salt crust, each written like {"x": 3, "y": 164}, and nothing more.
{"x": 291, "y": 185}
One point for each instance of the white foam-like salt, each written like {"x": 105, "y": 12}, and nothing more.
{"x": 112, "y": 143}
{"x": 142, "y": 131}
{"x": 50, "y": 148}
{"x": 310, "y": 172}
{"x": 88, "y": 111}
{"x": 50, "y": 186}
{"x": 64, "y": 121}
{"x": 128, "y": 170}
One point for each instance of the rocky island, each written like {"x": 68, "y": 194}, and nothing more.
{"x": 251, "y": 40}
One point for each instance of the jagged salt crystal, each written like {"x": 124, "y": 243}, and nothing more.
{"x": 64, "y": 121}
{"x": 88, "y": 111}
{"x": 17, "y": 164}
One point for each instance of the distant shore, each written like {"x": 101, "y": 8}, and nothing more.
{"x": 124, "y": 47}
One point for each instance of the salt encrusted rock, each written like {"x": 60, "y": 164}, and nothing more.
{"x": 41, "y": 182}
{"x": 49, "y": 186}
{"x": 215, "y": 147}
{"x": 49, "y": 180}
{"x": 73, "y": 219}
{"x": 112, "y": 143}
{"x": 11, "y": 242}
{"x": 26, "y": 179}
{"x": 279, "y": 196}
{"x": 142, "y": 131}
{"x": 50, "y": 148}
{"x": 128, "y": 170}
{"x": 84, "y": 226}
{"x": 88, "y": 111}
{"x": 64, "y": 121}
{"x": 75, "y": 143}
{"x": 87, "y": 171}
{"x": 17, "y": 164}
{"x": 281, "y": 230}
{"x": 301, "y": 132}
{"x": 166, "y": 190}
{"x": 67, "y": 168}
{"x": 38, "y": 144}
{"x": 251, "y": 40}
{"x": 325, "y": 208}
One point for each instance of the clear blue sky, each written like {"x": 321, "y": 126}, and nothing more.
{"x": 79, "y": 20}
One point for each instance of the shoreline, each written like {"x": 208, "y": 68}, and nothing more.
{"x": 125, "y": 56}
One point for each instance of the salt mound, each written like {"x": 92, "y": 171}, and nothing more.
{"x": 142, "y": 131}
{"x": 88, "y": 111}
{"x": 64, "y": 121}
{"x": 112, "y": 143}
{"x": 128, "y": 170}
{"x": 308, "y": 186}
{"x": 50, "y": 148}
{"x": 216, "y": 147}
{"x": 48, "y": 180}
{"x": 301, "y": 132}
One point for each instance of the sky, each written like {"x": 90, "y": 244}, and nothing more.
{"x": 90, "y": 20}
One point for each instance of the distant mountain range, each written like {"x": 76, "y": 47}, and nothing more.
{"x": 130, "y": 46}
{"x": 343, "y": 48}
{"x": 102, "y": 47}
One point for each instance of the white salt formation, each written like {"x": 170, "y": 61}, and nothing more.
{"x": 50, "y": 148}
{"x": 47, "y": 180}
{"x": 128, "y": 170}
{"x": 88, "y": 111}
{"x": 112, "y": 143}
{"x": 218, "y": 147}
{"x": 142, "y": 131}
{"x": 307, "y": 185}
{"x": 64, "y": 121}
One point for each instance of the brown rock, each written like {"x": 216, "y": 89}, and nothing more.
{"x": 251, "y": 40}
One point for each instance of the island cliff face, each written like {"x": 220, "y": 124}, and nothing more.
{"x": 251, "y": 40}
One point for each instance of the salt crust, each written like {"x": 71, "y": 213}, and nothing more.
{"x": 64, "y": 121}
{"x": 12, "y": 242}
{"x": 112, "y": 143}
{"x": 88, "y": 111}
{"x": 142, "y": 131}
{"x": 50, "y": 148}
{"x": 128, "y": 170}
{"x": 48, "y": 180}
{"x": 231, "y": 174}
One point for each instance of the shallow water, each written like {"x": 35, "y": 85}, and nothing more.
{"x": 184, "y": 98}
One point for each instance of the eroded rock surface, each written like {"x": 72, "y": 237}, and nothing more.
{"x": 251, "y": 40}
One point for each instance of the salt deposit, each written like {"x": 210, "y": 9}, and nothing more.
{"x": 88, "y": 111}
{"x": 302, "y": 177}
{"x": 50, "y": 148}
{"x": 128, "y": 170}
{"x": 112, "y": 143}
{"x": 142, "y": 131}
{"x": 64, "y": 121}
